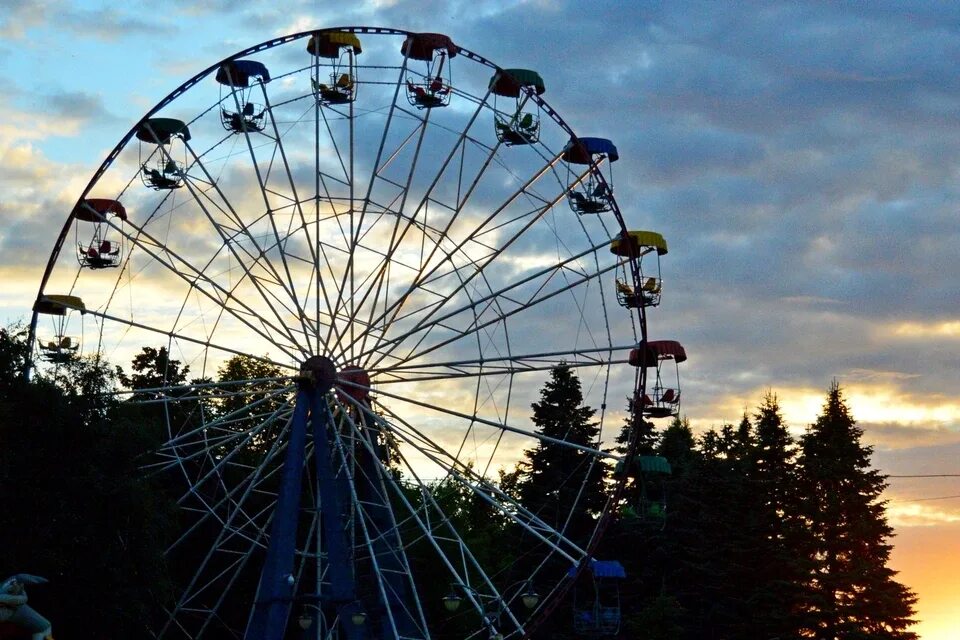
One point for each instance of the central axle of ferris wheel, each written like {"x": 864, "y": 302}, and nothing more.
{"x": 317, "y": 373}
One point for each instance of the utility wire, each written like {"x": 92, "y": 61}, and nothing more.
{"x": 925, "y": 499}
{"x": 931, "y": 475}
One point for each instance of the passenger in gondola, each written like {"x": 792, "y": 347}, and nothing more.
{"x": 419, "y": 92}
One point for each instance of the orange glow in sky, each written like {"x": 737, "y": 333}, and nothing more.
{"x": 928, "y": 559}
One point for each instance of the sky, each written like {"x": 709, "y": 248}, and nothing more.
{"x": 802, "y": 160}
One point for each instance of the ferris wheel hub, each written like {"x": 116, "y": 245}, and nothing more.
{"x": 318, "y": 372}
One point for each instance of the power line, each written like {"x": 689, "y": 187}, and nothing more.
{"x": 925, "y": 499}
{"x": 931, "y": 475}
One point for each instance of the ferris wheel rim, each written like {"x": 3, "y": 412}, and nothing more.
{"x": 206, "y": 73}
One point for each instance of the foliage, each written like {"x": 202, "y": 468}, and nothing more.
{"x": 153, "y": 368}
{"x": 75, "y": 508}
{"x": 762, "y": 537}
{"x": 853, "y": 593}
{"x": 561, "y": 484}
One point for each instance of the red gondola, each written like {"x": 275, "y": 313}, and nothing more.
{"x": 105, "y": 248}
{"x": 665, "y": 398}
{"x": 432, "y": 88}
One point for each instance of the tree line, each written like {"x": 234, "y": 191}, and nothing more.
{"x": 747, "y": 533}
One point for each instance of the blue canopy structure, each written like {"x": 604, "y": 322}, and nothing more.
{"x": 581, "y": 150}
{"x": 238, "y": 73}
{"x": 603, "y": 569}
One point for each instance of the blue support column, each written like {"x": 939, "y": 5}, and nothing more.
{"x": 343, "y": 593}
{"x": 275, "y": 592}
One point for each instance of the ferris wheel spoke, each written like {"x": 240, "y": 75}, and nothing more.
{"x": 396, "y": 236}
{"x": 411, "y": 219}
{"x": 416, "y": 352}
{"x": 245, "y": 488}
{"x": 226, "y": 530}
{"x": 237, "y": 559}
{"x": 299, "y": 208}
{"x": 239, "y": 566}
{"x": 356, "y": 221}
{"x": 184, "y": 338}
{"x": 319, "y": 181}
{"x": 270, "y": 209}
{"x": 478, "y": 485}
{"x": 182, "y": 441}
{"x": 505, "y": 365}
{"x": 426, "y": 271}
{"x": 546, "y": 272}
{"x": 243, "y": 228}
{"x": 500, "y": 425}
{"x": 379, "y": 559}
{"x": 436, "y": 530}
{"x": 217, "y": 294}
{"x": 247, "y": 267}
{"x": 533, "y": 216}
{"x": 444, "y": 529}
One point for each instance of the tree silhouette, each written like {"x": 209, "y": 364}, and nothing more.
{"x": 561, "y": 484}
{"x": 853, "y": 594}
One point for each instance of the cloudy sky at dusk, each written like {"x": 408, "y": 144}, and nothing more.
{"x": 802, "y": 160}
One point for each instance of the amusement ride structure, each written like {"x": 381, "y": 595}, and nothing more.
{"x": 410, "y": 237}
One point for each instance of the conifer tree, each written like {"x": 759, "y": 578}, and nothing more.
{"x": 555, "y": 478}
{"x": 853, "y": 593}
{"x": 776, "y": 525}
{"x": 564, "y": 486}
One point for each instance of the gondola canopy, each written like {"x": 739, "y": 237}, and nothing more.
{"x": 239, "y": 73}
{"x": 509, "y": 82}
{"x": 97, "y": 210}
{"x": 161, "y": 130}
{"x": 582, "y": 150}
{"x": 649, "y": 354}
{"x": 327, "y": 44}
{"x": 421, "y": 46}
{"x": 636, "y": 242}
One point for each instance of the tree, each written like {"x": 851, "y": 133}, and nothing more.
{"x": 76, "y": 508}
{"x": 153, "y": 368}
{"x": 249, "y": 407}
{"x": 775, "y": 505}
{"x": 561, "y": 484}
{"x": 853, "y": 594}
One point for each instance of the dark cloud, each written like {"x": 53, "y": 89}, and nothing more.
{"x": 801, "y": 159}
{"x": 76, "y": 108}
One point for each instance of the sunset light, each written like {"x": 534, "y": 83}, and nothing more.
{"x": 492, "y": 320}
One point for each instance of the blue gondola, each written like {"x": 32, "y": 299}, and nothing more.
{"x": 237, "y": 113}
{"x": 593, "y": 193}
{"x": 596, "y": 602}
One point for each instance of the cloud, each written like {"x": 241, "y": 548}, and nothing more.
{"x": 110, "y": 24}
{"x": 17, "y": 17}
{"x": 919, "y": 515}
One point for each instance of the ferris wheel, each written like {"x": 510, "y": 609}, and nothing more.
{"x": 370, "y": 247}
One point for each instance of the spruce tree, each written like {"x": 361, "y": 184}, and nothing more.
{"x": 776, "y": 525}
{"x": 556, "y": 479}
{"x": 853, "y": 593}
{"x": 642, "y": 604}
{"x": 564, "y": 486}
